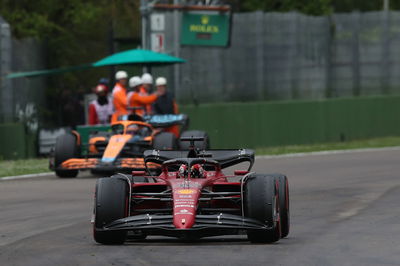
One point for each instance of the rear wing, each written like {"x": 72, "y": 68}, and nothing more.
{"x": 225, "y": 157}
{"x": 157, "y": 120}
{"x": 166, "y": 120}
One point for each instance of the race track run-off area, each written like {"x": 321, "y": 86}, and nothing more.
{"x": 344, "y": 211}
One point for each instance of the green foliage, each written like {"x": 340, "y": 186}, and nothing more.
{"x": 360, "y": 5}
{"x": 23, "y": 167}
{"x": 348, "y": 145}
{"x": 30, "y": 25}
{"x": 75, "y": 31}
{"x": 315, "y": 7}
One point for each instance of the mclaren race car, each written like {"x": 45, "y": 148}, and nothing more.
{"x": 190, "y": 197}
{"x": 120, "y": 149}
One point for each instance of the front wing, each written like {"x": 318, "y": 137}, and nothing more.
{"x": 206, "y": 225}
{"x": 120, "y": 164}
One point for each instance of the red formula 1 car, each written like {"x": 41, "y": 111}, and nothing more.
{"x": 190, "y": 197}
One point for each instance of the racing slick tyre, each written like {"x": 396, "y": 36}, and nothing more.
{"x": 110, "y": 204}
{"x": 132, "y": 178}
{"x": 202, "y": 145}
{"x": 65, "y": 149}
{"x": 284, "y": 203}
{"x": 261, "y": 202}
{"x": 140, "y": 179}
{"x": 165, "y": 141}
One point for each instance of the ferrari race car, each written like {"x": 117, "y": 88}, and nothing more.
{"x": 121, "y": 149}
{"x": 190, "y": 197}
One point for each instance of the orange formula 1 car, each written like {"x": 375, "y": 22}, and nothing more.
{"x": 120, "y": 150}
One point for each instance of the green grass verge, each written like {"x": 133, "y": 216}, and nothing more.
{"x": 33, "y": 166}
{"x": 348, "y": 145}
{"x": 23, "y": 167}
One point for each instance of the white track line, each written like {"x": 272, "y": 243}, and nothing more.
{"x": 26, "y": 176}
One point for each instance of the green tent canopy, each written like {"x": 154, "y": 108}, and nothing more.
{"x": 44, "y": 72}
{"x": 129, "y": 57}
{"x": 138, "y": 57}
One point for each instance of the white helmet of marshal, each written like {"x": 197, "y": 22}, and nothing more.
{"x": 135, "y": 81}
{"x": 121, "y": 75}
{"x": 161, "y": 81}
{"x": 147, "y": 78}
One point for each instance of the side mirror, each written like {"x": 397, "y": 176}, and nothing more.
{"x": 240, "y": 172}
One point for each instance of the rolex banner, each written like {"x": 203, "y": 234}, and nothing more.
{"x": 205, "y": 30}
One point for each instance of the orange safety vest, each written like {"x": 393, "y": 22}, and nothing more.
{"x": 136, "y": 99}
{"x": 143, "y": 92}
{"x": 119, "y": 101}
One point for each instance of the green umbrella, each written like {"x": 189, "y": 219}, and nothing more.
{"x": 129, "y": 57}
{"x": 138, "y": 56}
{"x": 45, "y": 72}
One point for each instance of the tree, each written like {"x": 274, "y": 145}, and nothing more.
{"x": 311, "y": 7}
{"x": 315, "y": 7}
{"x": 75, "y": 32}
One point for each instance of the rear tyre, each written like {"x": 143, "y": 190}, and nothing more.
{"x": 261, "y": 202}
{"x": 165, "y": 141}
{"x": 284, "y": 204}
{"x": 65, "y": 148}
{"x": 111, "y": 199}
{"x": 202, "y": 145}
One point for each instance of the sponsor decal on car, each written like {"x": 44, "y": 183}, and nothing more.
{"x": 190, "y": 185}
{"x": 186, "y": 191}
{"x": 184, "y": 211}
{"x": 184, "y": 206}
{"x": 183, "y": 198}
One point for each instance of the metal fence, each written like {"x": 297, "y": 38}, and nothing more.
{"x": 284, "y": 56}
{"x": 273, "y": 56}
{"x": 21, "y": 99}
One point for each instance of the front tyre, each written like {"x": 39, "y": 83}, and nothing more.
{"x": 65, "y": 148}
{"x": 261, "y": 202}
{"x": 111, "y": 199}
{"x": 284, "y": 203}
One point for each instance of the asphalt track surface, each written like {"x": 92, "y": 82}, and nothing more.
{"x": 344, "y": 211}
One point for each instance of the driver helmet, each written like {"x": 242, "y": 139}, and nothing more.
{"x": 197, "y": 171}
{"x": 182, "y": 172}
{"x": 132, "y": 129}
{"x": 101, "y": 89}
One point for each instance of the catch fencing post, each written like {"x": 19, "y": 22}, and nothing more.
{"x": 144, "y": 11}
{"x": 259, "y": 24}
{"x": 6, "y": 92}
{"x": 356, "y": 53}
{"x": 176, "y": 39}
{"x": 385, "y": 61}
